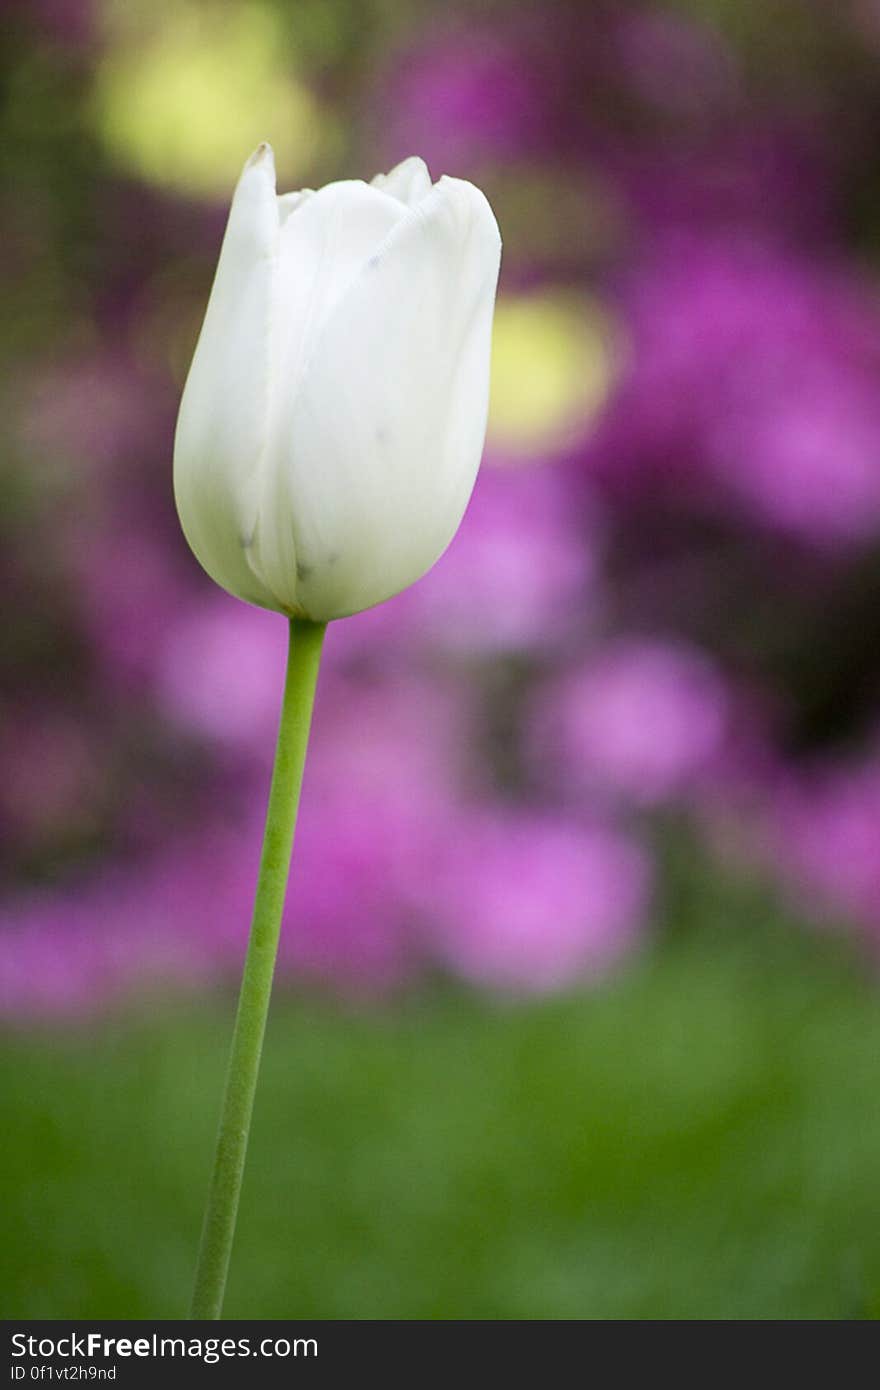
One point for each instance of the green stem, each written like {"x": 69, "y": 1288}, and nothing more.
{"x": 304, "y": 656}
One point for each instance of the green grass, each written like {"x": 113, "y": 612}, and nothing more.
{"x": 698, "y": 1139}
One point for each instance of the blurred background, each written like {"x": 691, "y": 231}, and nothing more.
{"x": 579, "y": 1009}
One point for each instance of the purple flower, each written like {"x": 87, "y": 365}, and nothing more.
{"x": 125, "y": 587}
{"x": 753, "y": 384}
{"x": 518, "y": 574}
{"x": 347, "y": 922}
{"x": 219, "y": 671}
{"x": 670, "y": 137}
{"x": 67, "y": 954}
{"x": 466, "y": 92}
{"x": 382, "y": 781}
{"x": 381, "y": 786}
{"x": 823, "y": 830}
{"x": 641, "y": 720}
{"x": 522, "y": 902}
{"x": 805, "y": 457}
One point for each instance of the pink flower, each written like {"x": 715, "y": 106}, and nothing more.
{"x": 219, "y": 671}
{"x": 823, "y": 831}
{"x": 642, "y": 719}
{"x": 524, "y": 902}
{"x": 519, "y": 572}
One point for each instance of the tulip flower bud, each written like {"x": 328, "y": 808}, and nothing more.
{"x": 334, "y": 415}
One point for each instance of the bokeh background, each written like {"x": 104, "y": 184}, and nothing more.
{"x": 579, "y": 1007}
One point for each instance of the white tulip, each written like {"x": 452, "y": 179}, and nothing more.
{"x": 334, "y": 415}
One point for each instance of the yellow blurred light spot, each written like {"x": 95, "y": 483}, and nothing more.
{"x": 552, "y": 367}
{"x": 186, "y": 91}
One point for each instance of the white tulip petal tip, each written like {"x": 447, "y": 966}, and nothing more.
{"x": 263, "y": 153}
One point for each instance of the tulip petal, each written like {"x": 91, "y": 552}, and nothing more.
{"x": 222, "y": 428}
{"x": 289, "y": 202}
{"x": 373, "y": 458}
{"x": 325, "y": 242}
{"x": 408, "y": 181}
